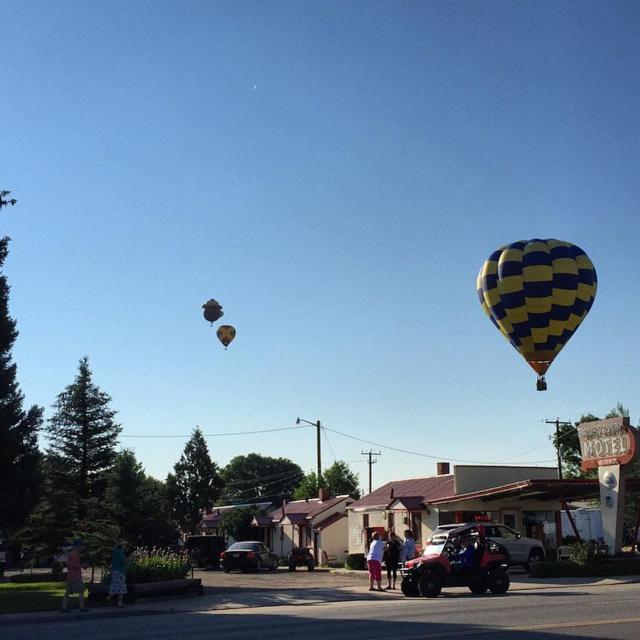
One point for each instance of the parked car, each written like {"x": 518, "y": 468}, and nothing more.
{"x": 523, "y": 551}
{"x": 246, "y": 556}
{"x": 205, "y": 551}
{"x": 301, "y": 557}
{"x": 463, "y": 556}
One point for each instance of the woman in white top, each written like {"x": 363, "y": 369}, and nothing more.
{"x": 374, "y": 561}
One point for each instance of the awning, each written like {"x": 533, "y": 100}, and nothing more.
{"x": 570, "y": 489}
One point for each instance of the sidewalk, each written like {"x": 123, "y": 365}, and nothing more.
{"x": 222, "y": 599}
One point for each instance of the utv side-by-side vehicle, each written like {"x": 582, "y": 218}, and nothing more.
{"x": 462, "y": 557}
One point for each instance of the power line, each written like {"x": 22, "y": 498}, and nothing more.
{"x": 423, "y": 455}
{"x": 216, "y": 435}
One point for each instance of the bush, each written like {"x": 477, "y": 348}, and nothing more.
{"x": 155, "y": 565}
{"x": 355, "y": 561}
{"x": 586, "y": 553}
{"x": 562, "y": 569}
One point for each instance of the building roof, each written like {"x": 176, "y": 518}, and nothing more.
{"x": 328, "y": 521}
{"x": 212, "y": 520}
{"x": 416, "y": 491}
{"x": 298, "y": 511}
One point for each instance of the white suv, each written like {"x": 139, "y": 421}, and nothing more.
{"x": 522, "y": 551}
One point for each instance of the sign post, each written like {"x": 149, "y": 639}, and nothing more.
{"x": 608, "y": 445}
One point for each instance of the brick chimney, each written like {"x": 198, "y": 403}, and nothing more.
{"x": 323, "y": 494}
{"x": 391, "y": 494}
{"x": 442, "y": 468}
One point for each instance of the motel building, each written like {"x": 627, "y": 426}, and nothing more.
{"x": 527, "y": 499}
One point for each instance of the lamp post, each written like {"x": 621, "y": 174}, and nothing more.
{"x": 315, "y": 424}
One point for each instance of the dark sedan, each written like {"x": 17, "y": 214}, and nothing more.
{"x": 248, "y": 556}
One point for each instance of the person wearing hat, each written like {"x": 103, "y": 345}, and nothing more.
{"x": 118, "y": 572}
{"x": 74, "y": 577}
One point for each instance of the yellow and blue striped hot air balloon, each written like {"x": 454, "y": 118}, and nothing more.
{"x": 537, "y": 292}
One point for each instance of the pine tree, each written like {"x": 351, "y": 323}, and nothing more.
{"x": 195, "y": 484}
{"x": 83, "y": 437}
{"x": 20, "y": 477}
{"x": 138, "y": 504}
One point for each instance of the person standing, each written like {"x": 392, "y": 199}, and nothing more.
{"x": 392, "y": 558}
{"x": 374, "y": 561}
{"x": 74, "y": 577}
{"x": 409, "y": 547}
{"x": 118, "y": 584}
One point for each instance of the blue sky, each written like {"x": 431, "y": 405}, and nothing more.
{"x": 334, "y": 173}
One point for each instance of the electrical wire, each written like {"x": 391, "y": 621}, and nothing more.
{"x": 326, "y": 437}
{"x": 216, "y": 435}
{"x": 422, "y": 455}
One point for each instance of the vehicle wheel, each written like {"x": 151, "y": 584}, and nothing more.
{"x": 478, "y": 586}
{"x": 409, "y": 588}
{"x": 430, "y": 584}
{"x": 535, "y": 557}
{"x": 499, "y": 582}
{"x": 258, "y": 565}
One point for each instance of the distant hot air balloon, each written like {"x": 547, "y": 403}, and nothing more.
{"x": 226, "y": 333}
{"x": 212, "y": 310}
{"x": 537, "y": 292}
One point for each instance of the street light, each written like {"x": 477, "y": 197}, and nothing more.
{"x": 315, "y": 424}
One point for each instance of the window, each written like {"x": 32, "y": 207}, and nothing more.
{"x": 365, "y": 520}
{"x": 390, "y": 521}
{"x": 416, "y": 526}
{"x": 503, "y": 532}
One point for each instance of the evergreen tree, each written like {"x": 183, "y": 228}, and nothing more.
{"x": 20, "y": 477}
{"x": 138, "y": 504}
{"x": 195, "y": 483}
{"x": 83, "y": 437}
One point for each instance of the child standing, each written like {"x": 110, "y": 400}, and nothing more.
{"x": 74, "y": 577}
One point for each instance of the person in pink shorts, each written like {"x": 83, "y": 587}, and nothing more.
{"x": 374, "y": 561}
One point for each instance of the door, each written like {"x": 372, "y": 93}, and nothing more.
{"x": 508, "y": 538}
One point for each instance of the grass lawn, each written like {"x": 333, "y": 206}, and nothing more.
{"x": 33, "y": 596}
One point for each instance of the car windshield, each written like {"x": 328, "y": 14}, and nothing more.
{"x": 244, "y": 546}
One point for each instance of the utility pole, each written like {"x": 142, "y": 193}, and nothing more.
{"x": 371, "y": 461}
{"x": 318, "y": 427}
{"x": 558, "y": 424}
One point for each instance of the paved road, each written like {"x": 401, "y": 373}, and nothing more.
{"x": 574, "y": 612}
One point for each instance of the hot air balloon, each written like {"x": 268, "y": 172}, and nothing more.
{"x": 537, "y": 292}
{"x": 212, "y": 310}
{"x": 226, "y": 333}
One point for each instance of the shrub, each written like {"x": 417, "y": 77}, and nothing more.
{"x": 155, "y": 565}
{"x": 562, "y": 569}
{"x": 355, "y": 561}
{"x": 586, "y": 553}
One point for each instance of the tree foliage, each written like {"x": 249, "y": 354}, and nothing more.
{"x": 236, "y": 523}
{"x": 252, "y": 477}
{"x": 82, "y": 442}
{"x": 138, "y": 504}
{"x": 195, "y": 483}
{"x": 20, "y": 477}
{"x": 339, "y": 480}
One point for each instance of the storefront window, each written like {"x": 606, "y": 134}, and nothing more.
{"x": 540, "y": 525}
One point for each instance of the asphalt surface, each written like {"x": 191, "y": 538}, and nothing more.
{"x": 569, "y": 611}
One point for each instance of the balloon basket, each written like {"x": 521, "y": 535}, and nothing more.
{"x": 541, "y": 384}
